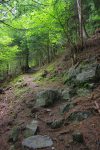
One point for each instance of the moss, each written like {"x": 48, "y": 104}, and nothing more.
{"x": 51, "y": 67}
{"x": 17, "y": 79}
{"x": 65, "y": 77}
{"x": 21, "y": 91}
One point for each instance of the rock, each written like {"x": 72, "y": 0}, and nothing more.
{"x": 14, "y": 135}
{"x": 48, "y": 110}
{"x": 55, "y": 124}
{"x": 91, "y": 73}
{"x": 86, "y": 76}
{"x": 53, "y": 148}
{"x": 78, "y": 137}
{"x": 68, "y": 93}
{"x": 31, "y": 129}
{"x": 83, "y": 92}
{"x": 47, "y": 98}
{"x": 8, "y": 88}
{"x": 2, "y": 91}
{"x": 66, "y": 107}
{"x": 28, "y": 133}
{"x": 12, "y": 147}
{"x": 30, "y": 104}
{"x": 37, "y": 142}
{"x": 84, "y": 72}
{"x": 45, "y": 73}
{"x": 34, "y": 110}
{"x": 79, "y": 116}
{"x": 74, "y": 71}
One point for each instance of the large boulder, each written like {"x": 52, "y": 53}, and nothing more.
{"x": 68, "y": 93}
{"x": 47, "y": 98}
{"x": 83, "y": 92}
{"x": 84, "y": 72}
{"x": 73, "y": 71}
{"x": 91, "y": 73}
{"x": 31, "y": 128}
{"x": 79, "y": 116}
{"x": 66, "y": 107}
{"x": 37, "y": 142}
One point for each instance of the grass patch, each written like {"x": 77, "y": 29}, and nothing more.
{"x": 17, "y": 79}
{"x": 19, "y": 92}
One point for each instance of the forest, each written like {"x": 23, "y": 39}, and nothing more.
{"x": 49, "y": 74}
{"x": 34, "y": 32}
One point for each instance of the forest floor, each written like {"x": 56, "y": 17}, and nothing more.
{"x": 16, "y": 110}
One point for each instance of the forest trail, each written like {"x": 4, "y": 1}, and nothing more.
{"x": 17, "y": 111}
{"x": 58, "y": 106}
{"x": 28, "y": 79}
{"x": 8, "y": 99}
{"x": 12, "y": 103}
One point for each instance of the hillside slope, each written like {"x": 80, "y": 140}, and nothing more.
{"x": 72, "y": 120}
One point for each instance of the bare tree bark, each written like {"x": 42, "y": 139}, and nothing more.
{"x": 79, "y": 7}
{"x": 83, "y": 33}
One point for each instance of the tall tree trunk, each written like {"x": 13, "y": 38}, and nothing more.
{"x": 27, "y": 60}
{"x": 83, "y": 33}
{"x": 79, "y": 7}
{"x": 48, "y": 49}
{"x": 7, "y": 69}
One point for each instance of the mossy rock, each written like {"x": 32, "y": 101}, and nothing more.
{"x": 55, "y": 124}
{"x": 14, "y": 135}
{"x": 68, "y": 93}
{"x": 47, "y": 97}
{"x": 78, "y": 137}
{"x": 83, "y": 92}
{"x": 79, "y": 116}
{"x": 66, "y": 107}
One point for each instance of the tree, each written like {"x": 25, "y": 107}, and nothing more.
{"x": 82, "y": 32}
{"x": 40, "y": 30}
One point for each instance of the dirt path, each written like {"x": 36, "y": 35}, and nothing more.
{"x": 8, "y": 98}
{"x": 16, "y": 110}
{"x": 30, "y": 80}
{"x": 13, "y": 111}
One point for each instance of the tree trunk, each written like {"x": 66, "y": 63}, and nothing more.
{"x": 79, "y": 7}
{"x": 82, "y": 30}
{"x": 48, "y": 49}
{"x": 85, "y": 34}
{"x": 27, "y": 61}
{"x": 7, "y": 69}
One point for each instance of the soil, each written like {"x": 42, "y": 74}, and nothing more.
{"x": 18, "y": 111}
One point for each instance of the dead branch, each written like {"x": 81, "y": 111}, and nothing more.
{"x": 97, "y": 107}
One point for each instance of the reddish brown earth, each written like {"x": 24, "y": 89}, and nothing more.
{"x": 17, "y": 111}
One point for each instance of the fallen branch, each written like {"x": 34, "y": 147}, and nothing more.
{"x": 97, "y": 107}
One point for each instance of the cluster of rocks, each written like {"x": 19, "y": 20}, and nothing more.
{"x": 32, "y": 140}
{"x": 82, "y": 78}
{"x": 85, "y": 72}
{"x": 80, "y": 81}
